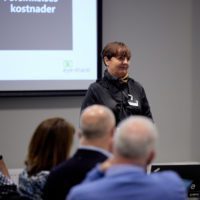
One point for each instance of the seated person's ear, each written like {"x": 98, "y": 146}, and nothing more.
{"x": 151, "y": 157}
{"x": 79, "y": 133}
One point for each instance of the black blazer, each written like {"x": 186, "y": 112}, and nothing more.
{"x": 71, "y": 172}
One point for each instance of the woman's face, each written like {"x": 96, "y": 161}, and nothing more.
{"x": 117, "y": 66}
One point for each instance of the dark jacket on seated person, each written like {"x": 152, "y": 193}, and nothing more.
{"x": 71, "y": 172}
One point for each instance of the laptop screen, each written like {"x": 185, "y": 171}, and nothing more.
{"x": 189, "y": 172}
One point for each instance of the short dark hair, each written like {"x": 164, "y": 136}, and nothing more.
{"x": 116, "y": 49}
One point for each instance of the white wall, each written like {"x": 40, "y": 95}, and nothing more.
{"x": 164, "y": 38}
{"x": 160, "y": 34}
{"x": 195, "y": 131}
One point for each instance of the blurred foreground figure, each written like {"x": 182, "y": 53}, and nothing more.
{"x": 50, "y": 145}
{"x": 97, "y": 124}
{"x": 123, "y": 176}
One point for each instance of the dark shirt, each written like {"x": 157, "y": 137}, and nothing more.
{"x": 70, "y": 173}
{"x": 123, "y": 98}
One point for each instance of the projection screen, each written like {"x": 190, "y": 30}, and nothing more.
{"x": 49, "y": 47}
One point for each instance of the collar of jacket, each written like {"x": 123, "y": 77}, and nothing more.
{"x": 113, "y": 79}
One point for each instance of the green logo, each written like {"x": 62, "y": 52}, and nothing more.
{"x": 67, "y": 64}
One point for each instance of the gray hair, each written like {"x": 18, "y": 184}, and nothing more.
{"x": 135, "y": 137}
{"x": 96, "y": 121}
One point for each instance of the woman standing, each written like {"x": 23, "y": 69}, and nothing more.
{"x": 116, "y": 90}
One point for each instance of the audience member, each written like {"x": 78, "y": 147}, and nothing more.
{"x": 123, "y": 176}
{"x": 49, "y": 146}
{"x": 8, "y": 189}
{"x": 97, "y": 124}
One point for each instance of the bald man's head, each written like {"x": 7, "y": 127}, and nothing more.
{"x": 96, "y": 121}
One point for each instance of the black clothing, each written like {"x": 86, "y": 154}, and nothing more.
{"x": 9, "y": 192}
{"x": 123, "y": 98}
{"x": 70, "y": 173}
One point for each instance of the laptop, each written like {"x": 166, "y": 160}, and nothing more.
{"x": 189, "y": 172}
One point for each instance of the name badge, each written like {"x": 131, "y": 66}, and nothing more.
{"x": 132, "y": 102}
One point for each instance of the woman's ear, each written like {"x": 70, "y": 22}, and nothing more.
{"x": 106, "y": 61}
